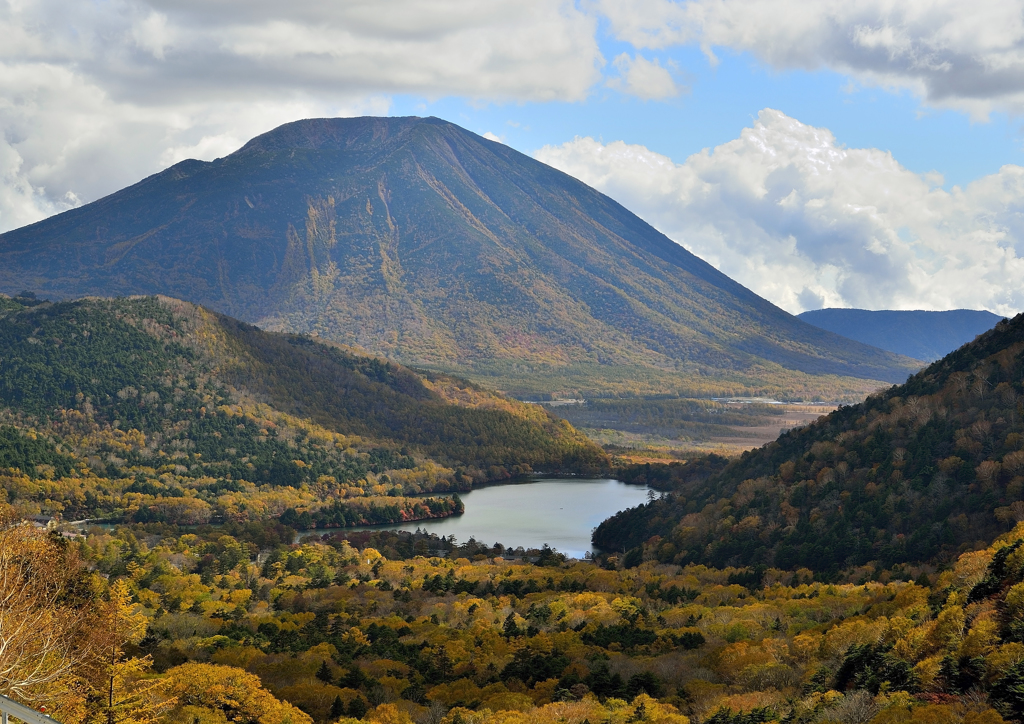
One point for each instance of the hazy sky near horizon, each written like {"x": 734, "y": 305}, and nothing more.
{"x": 834, "y": 153}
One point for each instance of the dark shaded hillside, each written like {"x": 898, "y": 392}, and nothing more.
{"x": 420, "y": 241}
{"x": 922, "y": 335}
{"x": 911, "y": 474}
{"x": 375, "y": 398}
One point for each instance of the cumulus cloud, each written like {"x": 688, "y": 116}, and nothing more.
{"x": 516, "y": 49}
{"x": 806, "y": 222}
{"x": 643, "y": 78}
{"x": 965, "y": 55}
{"x": 94, "y": 96}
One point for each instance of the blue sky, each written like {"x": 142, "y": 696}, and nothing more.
{"x": 837, "y": 153}
{"x": 720, "y": 101}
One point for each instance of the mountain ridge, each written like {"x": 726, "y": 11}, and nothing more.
{"x": 421, "y": 241}
{"x": 921, "y": 334}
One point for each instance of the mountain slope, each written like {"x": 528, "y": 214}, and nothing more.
{"x": 918, "y": 334}
{"x": 418, "y": 240}
{"x": 916, "y": 473}
{"x": 164, "y": 399}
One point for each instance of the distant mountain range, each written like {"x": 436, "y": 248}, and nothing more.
{"x": 416, "y": 239}
{"x": 922, "y": 335}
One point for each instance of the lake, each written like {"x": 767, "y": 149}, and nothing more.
{"x": 560, "y": 512}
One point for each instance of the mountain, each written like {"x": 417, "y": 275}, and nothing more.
{"x": 917, "y": 473}
{"x": 124, "y": 405}
{"x": 415, "y": 239}
{"x": 922, "y": 335}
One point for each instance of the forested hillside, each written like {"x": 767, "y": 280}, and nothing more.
{"x": 156, "y": 410}
{"x": 395, "y": 628}
{"x": 422, "y": 242}
{"x": 919, "y": 472}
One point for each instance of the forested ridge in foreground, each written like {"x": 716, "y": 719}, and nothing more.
{"x": 919, "y": 472}
{"x": 155, "y": 410}
{"x": 150, "y": 624}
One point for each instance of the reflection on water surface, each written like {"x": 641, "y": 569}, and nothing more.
{"x": 559, "y": 512}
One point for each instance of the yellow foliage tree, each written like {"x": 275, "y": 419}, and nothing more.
{"x": 389, "y": 714}
{"x": 40, "y": 622}
{"x": 121, "y": 691}
{"x": 237, "y": 693}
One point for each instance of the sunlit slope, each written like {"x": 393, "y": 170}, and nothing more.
{"x": 917, "y": 473}
{"x": 418, "y": 240}
{"x": 175, "y": 372}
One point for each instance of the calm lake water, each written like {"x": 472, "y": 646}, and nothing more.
{"x": 559, "y": 512}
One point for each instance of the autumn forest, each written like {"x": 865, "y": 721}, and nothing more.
{"x": 158, "y": 461}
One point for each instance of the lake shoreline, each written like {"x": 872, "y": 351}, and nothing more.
{"x": 528, "y": 512}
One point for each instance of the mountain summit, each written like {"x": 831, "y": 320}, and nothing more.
{"x": 416, "y": 239}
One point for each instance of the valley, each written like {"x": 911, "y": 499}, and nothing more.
{"x": 638, "y": 427}
{"x": 511, "y": 362}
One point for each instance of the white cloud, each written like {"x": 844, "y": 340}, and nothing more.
{"x": 94, "y": 96}
{"x": 154, "y": 35}
{"x": 512, "y": 49}
{"x": 965, "y": 55}
{"x": 64, "y": 138}
{"x": 806, "y": 222}
{"x": 643, "y": 78}
{"x": 20, "y": 202}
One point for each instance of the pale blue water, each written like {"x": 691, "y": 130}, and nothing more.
{"x": 559, "y": 512}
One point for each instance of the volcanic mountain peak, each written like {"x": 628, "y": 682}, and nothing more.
{"x": 416, "y": 239}
{"x": 367, "y": 133}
